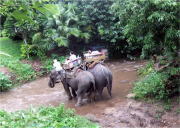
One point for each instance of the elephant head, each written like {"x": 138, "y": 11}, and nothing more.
{"x": 60, "y": 76}
{"x": 55, "y": 77}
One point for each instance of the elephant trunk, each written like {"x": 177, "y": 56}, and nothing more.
{"x": 51, "y": 83}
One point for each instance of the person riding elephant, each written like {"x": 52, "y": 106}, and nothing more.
{"x": 81, "y": 83}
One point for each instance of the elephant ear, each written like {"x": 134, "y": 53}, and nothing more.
{"x": 62, "y": 74}
{"x": 62, "y": 65}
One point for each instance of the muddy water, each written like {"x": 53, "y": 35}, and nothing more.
{"x": 37, "y": 93}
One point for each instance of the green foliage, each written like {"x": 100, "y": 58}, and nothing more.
{"x": 151, "y": 25}
{"x": 151, "y": 85}
{"x": 44, "y": 117}
{"x": 8, "y": 28}
{"x": 128, "y": 27}
{"x": 167, "y": 107}
{"x": 158, "y": 85}
{"x": 48, "y": 64}
{"x": 147, "y": 69}
{"x": 42, "y": 26}
{"x": 10, "y": 47}
{"x": 5, "y": 82}
{"x": 23, "y": 71}
{"x": 10, "y": 58}
{"x": 26, "y": 50}
{"x": 96, "y": 19}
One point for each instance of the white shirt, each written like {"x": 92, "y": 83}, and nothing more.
{"x": 72, "y": 57}
{"x": 57, "y": 66}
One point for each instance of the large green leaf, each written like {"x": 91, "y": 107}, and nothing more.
{"x": 52, "y": 8}
{"x": 62, "y": 41}
{"x": 47, "y": 9}
{"x": 18, "y": 15}
{"x": 74, "y": 31}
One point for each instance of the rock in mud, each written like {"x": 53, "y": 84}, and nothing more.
{"x": 91, "y": 117}
{"x": 138, "y": 66}
{"x": 131, "y": 95}
{"x": 124, "y": 81}
{"x": 108, "y": 111}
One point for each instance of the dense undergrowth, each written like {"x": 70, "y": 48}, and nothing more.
{"x": 24, "y": 72}
{"x": 11, "y": 60}
{"x": 158, "y": 84}
{"x": 20, "y": 72}
{"x": 5, "y": 82}
{"x": 44, "y": 117}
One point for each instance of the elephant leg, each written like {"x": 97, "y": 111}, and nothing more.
{"x": 79, "y": 101}
{"x": 80, "y": 95}
{"x": 92, "y": 96}
{"x": 66, "y": 88}
{"x": 73, "y": 92}
{"x": 69, "y": 97}
{"x": 109, "y": 90}
{"x": 88, "y": 96}
{"x": 100, "y": 93}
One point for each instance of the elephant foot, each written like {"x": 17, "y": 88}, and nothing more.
{"x": 74, "y": 97}
{"x": 85, "y": 101}
{"x": 69, "y": 98}
{"x": 78, "y": 105}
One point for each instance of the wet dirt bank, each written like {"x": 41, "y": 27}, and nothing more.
{"x": 110, "y": 113}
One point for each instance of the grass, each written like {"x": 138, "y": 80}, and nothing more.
{"x": 24, "y": 72}
{"x": 44, "y": 117}
{"x": 10, "y": 57}
{"x": 9, "y": 47}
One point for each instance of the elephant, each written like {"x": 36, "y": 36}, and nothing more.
{"x": 82, "y": 83}
{"x": 103, "y": 77}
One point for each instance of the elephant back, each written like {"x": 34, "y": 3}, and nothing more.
{"x": 102, "y": 74}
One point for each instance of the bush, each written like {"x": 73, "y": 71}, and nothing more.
{"x": 146, "y": 70}
{"x": 23, "y": 71}
{"x": 44, "y": 117}
{"x": 160, "y": 85}
{"x": 5, "y": 82}
{"x": 151, "y": 85}
{"x": 150, "y": 26}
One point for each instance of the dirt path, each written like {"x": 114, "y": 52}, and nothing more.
{"x": 110, "y": 113}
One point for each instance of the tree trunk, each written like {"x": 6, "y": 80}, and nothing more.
{"x": 25, "y": 41}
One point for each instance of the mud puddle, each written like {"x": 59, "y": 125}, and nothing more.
{"x": 115, "y": 112}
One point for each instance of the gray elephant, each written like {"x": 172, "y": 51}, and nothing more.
{"x": 82, "y": 83}
{"x": 103, "y": 78}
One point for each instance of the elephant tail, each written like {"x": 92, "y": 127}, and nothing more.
{"x": 109, "y": 84}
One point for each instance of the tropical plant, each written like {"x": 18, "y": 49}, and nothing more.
{"x": 5, "y": 82}
{"x": 150, "y": 25}
{"x": 128, "y": 27}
